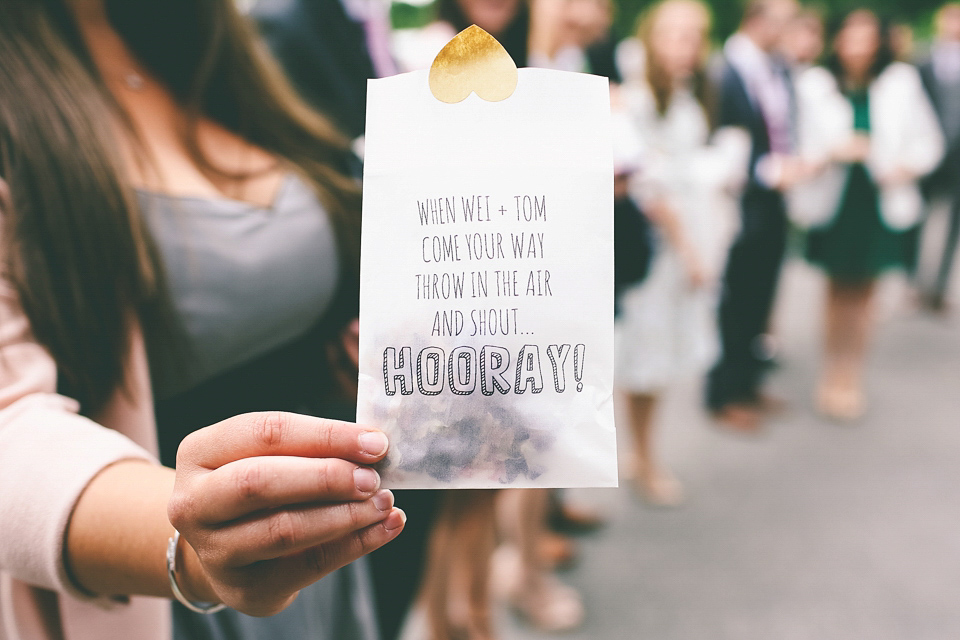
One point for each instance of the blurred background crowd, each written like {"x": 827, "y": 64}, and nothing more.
{"x": 772, "y": 158}
{"x": 741, "y": 131}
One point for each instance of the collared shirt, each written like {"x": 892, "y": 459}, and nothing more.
{"x": 766, "y": 83}
{"x": 945, "y": 60}
{"x": 945, "y": 56}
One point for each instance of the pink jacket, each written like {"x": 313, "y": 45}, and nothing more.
{"x": 48, "y": 455}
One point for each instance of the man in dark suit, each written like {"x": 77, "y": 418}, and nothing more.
{"x": 941, "y": 78}
{"x": 755, "y": 94}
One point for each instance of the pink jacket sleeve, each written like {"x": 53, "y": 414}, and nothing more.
{"x": 48, "y": 455}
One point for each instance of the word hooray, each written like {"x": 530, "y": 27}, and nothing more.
{"x": 492, "y": 369}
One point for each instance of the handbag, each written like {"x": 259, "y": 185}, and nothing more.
{"x": 633, "y": 246}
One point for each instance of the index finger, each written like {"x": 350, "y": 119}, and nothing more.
{"x": 278, "y": 433}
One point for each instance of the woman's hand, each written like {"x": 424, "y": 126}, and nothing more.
{"x": 696, "y": 273}
{"x": 272, "y": 502}
{"x": 854, "y": 150}
{"x": 896, "y": 177}
{"x": 662, "y": 214}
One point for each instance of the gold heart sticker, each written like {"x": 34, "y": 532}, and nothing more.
{"x": 473, "y": 62}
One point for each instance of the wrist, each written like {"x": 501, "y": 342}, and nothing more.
{"x": 769, "y": 170}
{"x": 193, "y": 579}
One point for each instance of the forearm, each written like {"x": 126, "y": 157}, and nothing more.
{"x": 270, "y": 502}
{"x": 669, "y": 225}
{"x": 117, "y": 537}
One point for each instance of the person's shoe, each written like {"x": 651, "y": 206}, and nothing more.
{"x": 935, "y": 303}
{"x": 740, "y": 418}
{"x": 506, "y": 571}
{"x": 556, "y": 550}
{"x": 659, "y": 489}
{"x": 568, "y": 518}
{"x": 551, "y": 606}
{"x": 770, "y": 405}
{"x": 547, "y": 604}
{"x": 840, "y": 403}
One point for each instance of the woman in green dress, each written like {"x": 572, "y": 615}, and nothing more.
{"x": 869, "y": 133}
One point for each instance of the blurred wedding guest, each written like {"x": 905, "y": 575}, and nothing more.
{"x": 455, "y": 551}
{"x": 456, "y": 593}
{"x": 633, "y": 236}
{"x": 755, "y": 93}
{"x": 563, "y": 35}
{"x": 802, "y": 41}
{"x": 575, "y": 36}
{"x": 941, "y": 79}
{"x": 179, "y": 248}
{"x": 462, "y": 565}
{"x": 506, "y": 20}
{"x": 523, "y": 575}
{"x": 865, "y": 120}
{"x": 629, "y": 58}
{"x": 903, "y": 43}
{"x": 602, "y": 50}
{"x": 687, "y": 175}
{"x": 329, "y": 49}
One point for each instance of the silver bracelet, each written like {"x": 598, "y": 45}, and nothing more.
{"x": 196, "y": 607}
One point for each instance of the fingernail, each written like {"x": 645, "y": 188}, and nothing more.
{"x": 395, "y": 520}
{"x": 383, "y": 500}
{"x": 367, "y": 479}
{"x": 374, "y": 442}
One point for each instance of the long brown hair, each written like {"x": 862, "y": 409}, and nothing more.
{"x": 73, "y": 243}
{"x": 661, "y": 84}
{"x": 884, "y": 55}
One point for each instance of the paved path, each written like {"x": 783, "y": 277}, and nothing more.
{"x": 815, "y": 531}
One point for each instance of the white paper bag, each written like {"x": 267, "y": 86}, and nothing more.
{"x": 486, "y": 303}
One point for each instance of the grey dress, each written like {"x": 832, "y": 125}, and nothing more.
{"x": 249, "y": 287}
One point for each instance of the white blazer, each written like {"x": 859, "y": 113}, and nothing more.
{"x": 904, "y": 133}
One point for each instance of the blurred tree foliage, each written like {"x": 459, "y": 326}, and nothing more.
{"x": 409, "y": 16}
{"x": 726, "y": 13}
